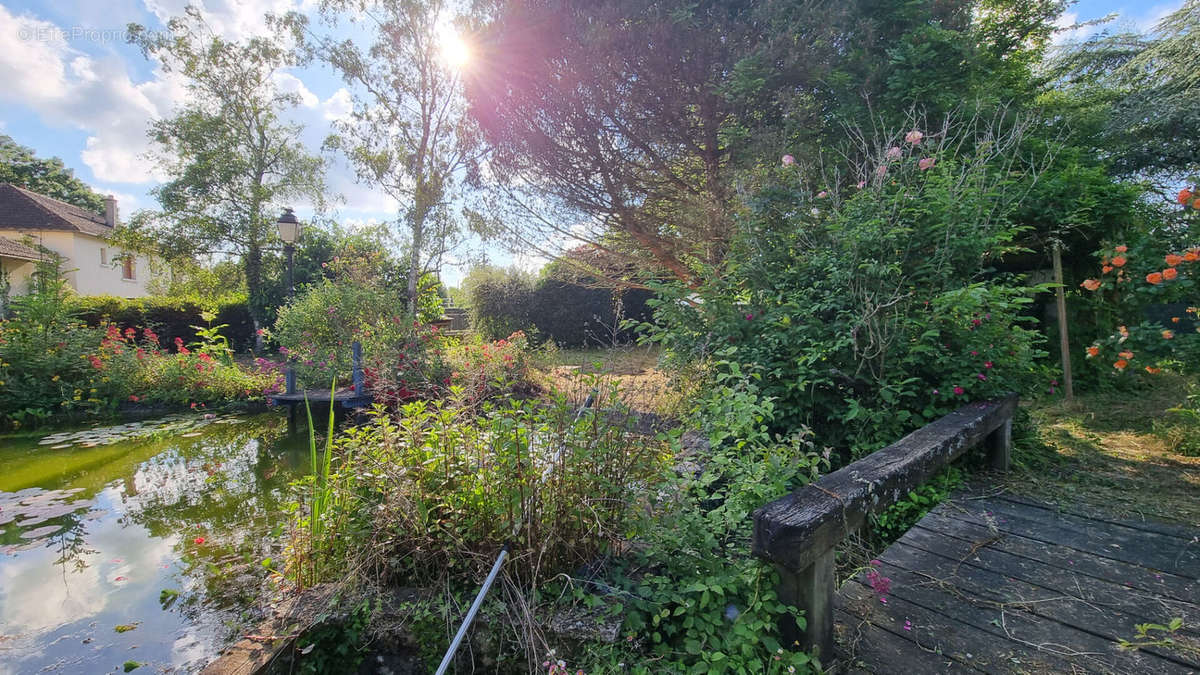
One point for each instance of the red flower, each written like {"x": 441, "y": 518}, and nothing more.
{"x": 134, "y": 398}
{"x": 1185, "y": 196}
{"x": 198, "y": 540}
{"x": 958, "y": 391}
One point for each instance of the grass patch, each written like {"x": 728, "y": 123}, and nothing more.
{"x": 1122, "y": 451}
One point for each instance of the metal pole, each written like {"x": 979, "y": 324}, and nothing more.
{"x": 1064, "y": 341}
{"x": 290, "y": 250}
{"x": 462, "y": 630}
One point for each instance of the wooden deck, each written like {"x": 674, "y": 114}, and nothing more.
{"x": 1004, "y": 584}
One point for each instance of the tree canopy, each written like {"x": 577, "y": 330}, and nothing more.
{"x": 20, "y": 166}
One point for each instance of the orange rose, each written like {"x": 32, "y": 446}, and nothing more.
{"x": 1170, "y": 273}
{"x": 1093, "y": 351}
{"x": 1173, "y": 260}
{"x": 1126, "y": 354}
{"x": 1091, "y": 284}
{"x": 1191, "y": 256}
{"x": 1196, "y": 204}
{"x": 1185, "y": 196}
{"x": 1118, "y": 261}
{"x": 1154, "y": 278}
{"x": 1174, "y": 319}
{"x": 1106, "y": 269}
{"x": 1152, "y": 370}
{"x": 1168, "y": 334}
{"x": 1121, "y": 249}
{"x": 1120, "y": 364}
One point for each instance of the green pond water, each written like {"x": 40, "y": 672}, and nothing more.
{"x": 139, "y": 542}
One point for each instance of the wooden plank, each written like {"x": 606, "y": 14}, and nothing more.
{"x": 1082, "y": 625}
{"x": 1067, "y": 559}
{"x": 976, "y": 644}
{"x": 796, "y": 530}
{"x": 1062, "y": 648}
{"x": 1177, "y": 530}
{"x": 1137, "y": 605}
{"x": 1106, "y": 540}
{"x": 879, "y": 651}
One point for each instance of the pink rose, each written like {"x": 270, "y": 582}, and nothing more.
{"x": 788, "y": 160}
{"x": 926, "y": 163}
{"x": 894, "y": 152}
{"x": 914, "y": 137}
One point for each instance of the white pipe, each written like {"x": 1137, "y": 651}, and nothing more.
{"x": 462, "y": 630}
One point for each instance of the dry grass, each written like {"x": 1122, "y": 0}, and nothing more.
{"x": 1119, "y": 453}
{"x": 642, "y": 383}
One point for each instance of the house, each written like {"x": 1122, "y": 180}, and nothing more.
{"x": 89, "y": 263}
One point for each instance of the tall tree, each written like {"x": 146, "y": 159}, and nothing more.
{"x": 232, "y": 159}
{"x": 21, "y": 167}
{"x": 1136, "y": 94}
{"x": 632, "y": 122}
{"x": 407, "y": 134}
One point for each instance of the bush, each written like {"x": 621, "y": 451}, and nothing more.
{"x": 316, "y": 330}
{"x": 870, "y": 308}
{"x": 570, "y": 314}
{"x": 171, "y": 318}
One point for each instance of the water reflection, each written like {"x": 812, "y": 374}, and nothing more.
{"x": 158, "y": 534}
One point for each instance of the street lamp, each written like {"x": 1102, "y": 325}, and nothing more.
{"x": 289, "y": 232}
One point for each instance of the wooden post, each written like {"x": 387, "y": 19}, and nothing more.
{"x": 811, "y": 591}
{"x": 999, "y": 446}
{"x": 289, "y": 379}
{"x": 356, "y": 375}
{"x": 1064, "y": 343}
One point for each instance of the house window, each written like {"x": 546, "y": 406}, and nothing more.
{"x": 103, "y": 256}
{"x": 127, "y": 269}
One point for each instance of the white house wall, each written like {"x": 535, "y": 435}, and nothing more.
{"x": 83, "y": 269}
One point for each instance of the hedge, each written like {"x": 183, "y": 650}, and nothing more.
{"x": 170, "y": 317}
{"x": 572, "y": 315}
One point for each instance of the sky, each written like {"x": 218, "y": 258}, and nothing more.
{"x": 74, "y": 89}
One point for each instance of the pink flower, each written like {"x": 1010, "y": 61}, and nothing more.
{"x": 987, "y": 364}
{"x": 861, "y": 184}
{"x": 981, "y": 376}
{"x": 822, "y": 194}
{"x": 914, "y": 137}
{"x": 958, "y": 391}
{"x": 788, "y": 160}
{"x": 749, "y": 317}
{"x": 881, "y": 170}
{"x": 926, "y": 163}
{"x": 893, "y": 152}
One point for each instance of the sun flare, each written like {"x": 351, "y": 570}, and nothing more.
{"x": 455, "y": 50}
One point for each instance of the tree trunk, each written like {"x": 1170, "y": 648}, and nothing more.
{"x": 252, "y": 263}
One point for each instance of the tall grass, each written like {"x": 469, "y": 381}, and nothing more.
{"x": 311, "y": 553}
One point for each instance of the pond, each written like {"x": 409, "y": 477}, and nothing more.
{"x": 140, "y": 543}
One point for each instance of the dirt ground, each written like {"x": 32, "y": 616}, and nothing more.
{"x": 634, "y": 370}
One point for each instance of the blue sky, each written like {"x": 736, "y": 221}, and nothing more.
{"x": 75, "y": 90}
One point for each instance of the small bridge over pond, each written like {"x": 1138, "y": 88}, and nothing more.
{"x": 320, "y": 400}
{"x": 992, "y": 583}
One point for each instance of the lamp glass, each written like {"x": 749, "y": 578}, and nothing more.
{"x": 289, "y": 229}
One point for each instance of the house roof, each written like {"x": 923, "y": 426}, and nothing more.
{"x": 12, "y": 249}
{"x": 26, "y": 211}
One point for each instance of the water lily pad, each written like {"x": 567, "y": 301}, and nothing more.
{"x": 41, "y": 532}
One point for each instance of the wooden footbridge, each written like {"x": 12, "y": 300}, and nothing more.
{"x": 986, "y": 582}
{"x": 350, "y": 398}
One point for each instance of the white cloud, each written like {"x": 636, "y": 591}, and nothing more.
{"x": 232, "y": 19}
{"x": 290, "y": 84}
{"x": 338, "y": 106}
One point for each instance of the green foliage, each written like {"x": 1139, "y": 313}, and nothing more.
{"x": 571, "y": 313}
{"x": 871, "y": 311}
{"x": 21, "y": 167}
{"x": 889, "y": 524}
{"x": 231, "y": 159}
{"x": 1152, "y": 635}
{"x": 317, "y": 327}
{"x": 694, "y": 596}
{"x": 170, "y": 317}
{"x": 335, "y": 646}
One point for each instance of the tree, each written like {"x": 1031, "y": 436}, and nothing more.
{"x": 1136, "y": 95}
{"x": 634, "y": 122}
{"x": 50, "y": 177}
{"x": 232, "y": 159}
{"x": 407, "y": 134}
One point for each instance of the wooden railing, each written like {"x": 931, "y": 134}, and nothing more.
{"x": 800, "y": 532}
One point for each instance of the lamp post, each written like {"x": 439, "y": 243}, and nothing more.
{"x": 289, "y": 232}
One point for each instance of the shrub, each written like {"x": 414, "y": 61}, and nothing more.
{"x": 870, "y": 308}
{"x": 316, "y": 329}
{"x": 485, "y": 369}
{"x": 501, "y": 302}
{"x": 170, "y": 317}
{"x": 1147, "y": 305}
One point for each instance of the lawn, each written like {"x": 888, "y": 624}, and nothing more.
{"x": 643, "y": 384}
